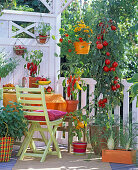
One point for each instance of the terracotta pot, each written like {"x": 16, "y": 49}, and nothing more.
{"x": 82, "y": 47}
{"x": 42, "y": 39}
{"x": 119, "y": 156}
{"x": 79, "y": 148}
{"x": 32, "y": 81}
{"x": 71, "y": 105}
{"x": 98, "y": 143}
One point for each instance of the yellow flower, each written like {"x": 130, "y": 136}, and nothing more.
{"x": 79, "y": 29}
{"x": 86, "y": 31}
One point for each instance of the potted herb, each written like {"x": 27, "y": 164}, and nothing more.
{"x": 78, "y": 128}
{"x": 124, "y": 154}
{"x": 12, "y": 127}
{"x": 42, "y": 30}
{"x": 33, "y": 60}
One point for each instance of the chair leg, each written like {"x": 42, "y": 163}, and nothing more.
{"x": 52, "y": 138}
{"x": 27, "y": 142}
{"x": 55, "y": 141}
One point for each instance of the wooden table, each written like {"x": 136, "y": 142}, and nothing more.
{"x": 53, "y": 101}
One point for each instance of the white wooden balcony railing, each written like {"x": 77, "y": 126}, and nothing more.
{"x": 126, "y": 107}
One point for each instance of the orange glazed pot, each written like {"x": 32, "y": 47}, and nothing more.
{"x": 119, "y": 156}
{"x": 71, "y": 105}
{"x": 32, "y": 81}
{"x": 82, "y": 47}
{"x": 42, "y": 39}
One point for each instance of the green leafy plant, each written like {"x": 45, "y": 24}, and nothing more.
{"x": 43, "y": 28}
{"x": 79, "y": 123}
{"x": 33, "y": 59}
{"x": 134, "y": 88}
{"x": 7, "y": 65}
{"x": 128, "y": 134}
{"x": 13, "y": 116}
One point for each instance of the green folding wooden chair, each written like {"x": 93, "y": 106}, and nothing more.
{"x": 35, "y": 110}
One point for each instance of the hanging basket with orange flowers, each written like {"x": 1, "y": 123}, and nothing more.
{"x": 76, "y": 40}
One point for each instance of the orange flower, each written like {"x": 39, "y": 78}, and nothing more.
{"x": 81, "y": 125}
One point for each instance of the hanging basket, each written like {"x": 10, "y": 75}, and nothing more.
{"x": 19, "y": 49}
{"x": 6, "y": 146}
{"x": 42, "y": 39}
{"x": 82, "y": 47}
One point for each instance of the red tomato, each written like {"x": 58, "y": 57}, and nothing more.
{"x": 105, "y": 68}
{"x": 107, "y": 61}
{"x": 61, "y": 40}
{"x": 112, "y": 69}
{"x": 107, "y": 53}
{"x": 116, "y": 78}
{"x": 69, "y": 50}
{"x": 98, "y": 42}
{"x": 113, "y": 27}
{"x": 105, "y": 43}
{"x": 44, "y": 79}
{"x": 99, "y": 46}
{"x": 113, "y": 88}
{"x": 115, "y": 64}
{"x": 118, "y": 86}
{"x": 115, "y": 81}
{"x": 48, "y": 90}
{"x": 100, "y": 24}
{"x": 103, "y": 105}
{"x": 105, "y": 100}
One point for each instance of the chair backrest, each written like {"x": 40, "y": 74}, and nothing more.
{"x": 32, "y": 100}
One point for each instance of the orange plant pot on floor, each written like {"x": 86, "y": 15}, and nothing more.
{"x": 119, "y": 156}
{"x": 82, "y": 47}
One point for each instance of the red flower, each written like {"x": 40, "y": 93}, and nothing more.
{"x": 69, "y": 41}
{"x": 69, "y": 50}
{"x": 61, "y": 40}
{"x": 80, "y": 38}
{"x": 66, "y": 35}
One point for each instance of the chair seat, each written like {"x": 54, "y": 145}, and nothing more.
{"x": 53, "y": 115}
